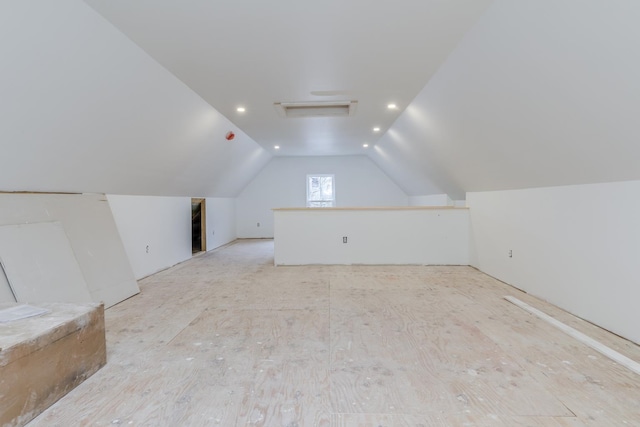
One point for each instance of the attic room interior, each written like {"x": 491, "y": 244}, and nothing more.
{"x": 338, "y": 213}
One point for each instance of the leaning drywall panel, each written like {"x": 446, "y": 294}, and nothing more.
{"x": 40, "y": 265}
{"x": 6, "y": 294}
{"x": 92, "y": 233}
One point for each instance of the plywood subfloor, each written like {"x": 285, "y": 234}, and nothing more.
{"x": 228, "y": 339}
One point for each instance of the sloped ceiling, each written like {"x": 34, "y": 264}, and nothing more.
{"x": 538, "y": 93}
{"x": 520, "y": 94}
{"x": 254, "y": 53}
{"x": 83, "y": 109}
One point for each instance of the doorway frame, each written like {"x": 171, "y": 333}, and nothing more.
{"x": 203, "y": 223}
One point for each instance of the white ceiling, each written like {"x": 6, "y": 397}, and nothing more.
{"x": 254, "y": 53}
{"x": 538, "y": 93}
{"x": 492, "y": 95}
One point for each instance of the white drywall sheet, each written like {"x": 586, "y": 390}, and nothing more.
{"x": 89, "y": 225}
{"x": 6, "y": 295}
{"x": 20, "y": 312}
{"x": 40, "y": 265}
{"x": 394, "y": 235}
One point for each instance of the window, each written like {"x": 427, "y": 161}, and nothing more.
{"x": 320, "y": 191}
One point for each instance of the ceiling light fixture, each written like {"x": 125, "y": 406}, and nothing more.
{"x": 277, "y": 147}
{"x": 376, "y": 129}
{"x": 365, "y": 145}
{"x": 392, "y": 106}
{"x": 240, "y": 109}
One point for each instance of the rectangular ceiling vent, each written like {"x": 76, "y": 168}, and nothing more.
{"x": 316, "y": 109}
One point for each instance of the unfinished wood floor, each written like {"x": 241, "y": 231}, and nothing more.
{"x": 228, "y": 339}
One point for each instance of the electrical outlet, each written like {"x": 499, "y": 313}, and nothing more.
{"x": 147, "y": 249}
{"x": 510, "y": 253}
{"x": 344, "y": 239}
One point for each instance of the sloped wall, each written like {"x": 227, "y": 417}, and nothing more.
{"x": 85, "y": 110}
{"x": 574, "y": 246}
{"x": 531, "y": 97}
{"x": 282, "y": 184}
{"x": 431, "y": 200}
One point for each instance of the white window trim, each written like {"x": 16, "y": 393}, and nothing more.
{"x": 333, "y": 180}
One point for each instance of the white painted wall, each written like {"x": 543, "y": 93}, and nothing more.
{"x": 79, "y": 96}
{"x": 426, "y": 236}
{"x": 221, "y": 221}
{"x": 161, "y": 223}
{"x": 91, "y": 230}
{"x": 282, "y": 183}
{"x": 431, "y": 200}
{"x": 5, "y": 290}
{"x": 575, "y": 246}
{"x": 530, "y": 84}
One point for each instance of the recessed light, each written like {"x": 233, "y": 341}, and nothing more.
{"x": 277, "y": 147}
{"x": 240, "y": 109}
{"x": 376, "y": 129}
{"x": 392, "y": 106}
{"x": 365, "y": 145}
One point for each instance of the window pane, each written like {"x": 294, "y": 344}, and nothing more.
{"x": 314, "y": 188}
{"x": 320, "y": 188}
{"x": 320, "y": 191}
{"x": 320, "y": 204}
{"x": 326, "y": 187}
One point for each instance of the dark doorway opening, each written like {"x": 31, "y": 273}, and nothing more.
{"x": 198, "y": 226}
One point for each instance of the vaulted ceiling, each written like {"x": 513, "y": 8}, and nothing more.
{"x": 136, "y": 97}
{"x": 538, "y": 93}
{"x": 256, "y": 53}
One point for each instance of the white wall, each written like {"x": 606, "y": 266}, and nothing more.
{"x": 163, "y": 224}
{"x": 5, "y": 290}
{"x": 431, "y": 200}
{"x": 531, "y": 84}
{"x": 427, "y": 236}
{"x": 282, "y": 183}
{"x": 90, "y": 228}
{"x": 78, "y": 95}
{"x": 221, "y": 221}
{"x": 577, "y": 247}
